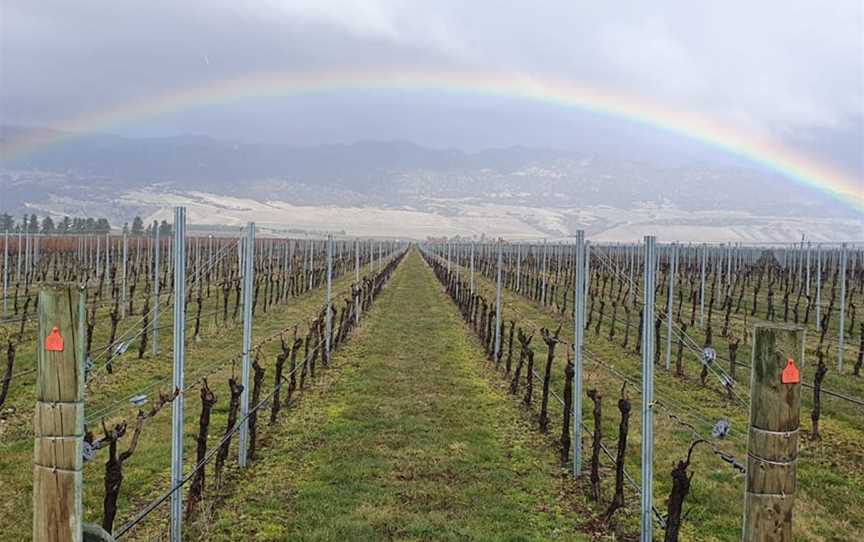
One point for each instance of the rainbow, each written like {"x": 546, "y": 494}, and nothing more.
{"x": 793, "y": 165}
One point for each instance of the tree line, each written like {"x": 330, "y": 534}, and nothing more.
{"x": 77, "y": 225}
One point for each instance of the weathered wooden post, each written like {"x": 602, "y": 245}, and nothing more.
{"x": 772, "y": 448}
{"x": 59, "y": 417}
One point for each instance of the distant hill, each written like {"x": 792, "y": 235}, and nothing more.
{"x": 96, "y": 172}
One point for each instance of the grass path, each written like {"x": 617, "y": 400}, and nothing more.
{"x": 407, "y": 439}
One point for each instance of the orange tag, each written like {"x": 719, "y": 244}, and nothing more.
{"x": 54, "y": 341}
{"x": 790, "y": 374}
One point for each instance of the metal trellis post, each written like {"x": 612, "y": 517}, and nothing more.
{"x": 155, "y": 326}
{"x": 580, "y": 266}
{"x": 673, "y": 265}
{"x": 648, "y": 391}
{"x": 498, "y": 307}
{"x": 328, "y": 319}
{"x": 248, "y": 284}
{"x": 179, "y": 363}
{"x": 844, "y": 256}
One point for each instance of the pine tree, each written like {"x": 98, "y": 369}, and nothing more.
{"x": 165, "y": 229}
{"x": 137, "y": 226}
{"x": 48, "y": 225}
{"x": 7, "y": 222}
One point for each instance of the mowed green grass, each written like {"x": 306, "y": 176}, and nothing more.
{"x": 404, "y": 438}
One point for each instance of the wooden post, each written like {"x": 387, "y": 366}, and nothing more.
{"x": 772, "y": 448}
{"x": 59, "y": 418}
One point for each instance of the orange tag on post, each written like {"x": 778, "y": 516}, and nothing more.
{"x": 790, "y": 374}
{"x": 54, "y": 341}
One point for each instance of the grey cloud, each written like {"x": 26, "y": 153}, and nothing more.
{"x": 788, "y": 69}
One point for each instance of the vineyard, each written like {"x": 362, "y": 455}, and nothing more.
{"x": 241, "y": 387}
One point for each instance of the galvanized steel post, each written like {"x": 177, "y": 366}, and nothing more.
{"x": 248, "y": 284}
{"x": 179, "y": 363}
{"x": 328, "y": 319}
{"x": 156, "y": 252}
{"x": 818, "y": 286}
{"x": 498, "y": 307}
{"x": 648, "y": 391}
{"x": 580, "y": 266}
{"x": 704, "y": 255}
{"x": 472, "y": 267}
{"x": 125, "y": 272}
{"x": 357, "y": 280}
{"x": 844, "y": 256}
{"x": 5, "y": 274}
{"x": 673, "y": 266}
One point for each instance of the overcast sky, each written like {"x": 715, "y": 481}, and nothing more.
{"x": 793, "y": 69}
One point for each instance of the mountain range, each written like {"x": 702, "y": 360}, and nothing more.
{"x": 400, "y": 188}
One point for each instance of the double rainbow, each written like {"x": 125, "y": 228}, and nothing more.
{"x": 795, "y": 166}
